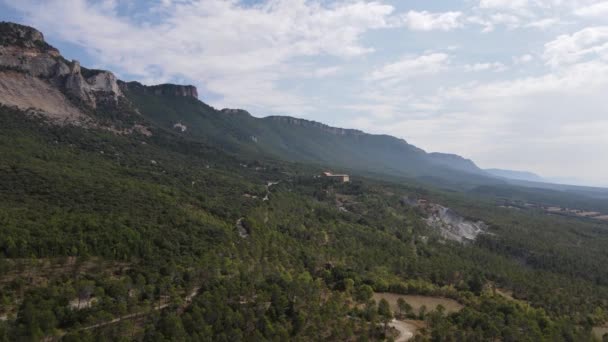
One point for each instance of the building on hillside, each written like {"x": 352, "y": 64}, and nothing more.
{"x": 342, "y": 177}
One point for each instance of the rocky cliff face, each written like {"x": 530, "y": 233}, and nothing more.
{"x": 314, "y": 124}
{"x": 23, "y": 50}
{"x": 162, "y": 89}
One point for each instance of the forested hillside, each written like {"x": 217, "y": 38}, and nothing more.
{"x": 131, "y": 224}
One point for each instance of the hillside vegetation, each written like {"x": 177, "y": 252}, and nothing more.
{"x": 157, "y": 215}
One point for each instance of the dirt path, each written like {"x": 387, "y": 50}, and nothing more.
{"x": 406, "y": 330}
{"x": 268, "y": 185}
{"x": 187, "y": 301}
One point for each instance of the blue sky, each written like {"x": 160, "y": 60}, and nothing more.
{"x": 517, "y": 84}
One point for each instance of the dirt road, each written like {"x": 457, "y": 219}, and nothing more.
{"x": 406, "y": 330}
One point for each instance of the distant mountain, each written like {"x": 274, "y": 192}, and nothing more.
{"x": 456, "y": 162}
{"x": 299, "y": 140}
{"x": 516, "y": 175}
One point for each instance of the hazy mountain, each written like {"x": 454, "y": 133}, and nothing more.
{"x": 298, "y": 140}
{"x": 516, "y": 175}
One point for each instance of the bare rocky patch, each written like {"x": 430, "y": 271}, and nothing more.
{"x": 417, "y": 302}
{"x": 447, "y": 222}
{"x": 38, "y": 96}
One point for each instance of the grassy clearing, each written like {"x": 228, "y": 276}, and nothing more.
{"x": 417, "y": 302}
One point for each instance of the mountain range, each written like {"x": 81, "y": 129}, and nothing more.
{"x": 35, "y": 77}
{"x": 516, "y": 175}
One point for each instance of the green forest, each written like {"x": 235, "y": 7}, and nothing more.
{"x": 107, "y": 237}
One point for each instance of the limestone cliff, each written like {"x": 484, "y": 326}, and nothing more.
{"x": 162, "y": 89}
{"x": 23, "y": 50}
{"x": 307, "y": 123}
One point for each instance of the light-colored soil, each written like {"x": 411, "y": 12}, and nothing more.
{"x": 77, "y": 304}
{"x": 37, "y": 272}
{"x": 599, "y": 332}
{"x": 589, "y": 213}
{"x": 417, "y": 302}
{"x": 605, "y": 217}
{"x": 509, "y": 295}
{"x": 28, "y": 92}
{"x": 505, "y": 294}
{"x": 406, "y": 329}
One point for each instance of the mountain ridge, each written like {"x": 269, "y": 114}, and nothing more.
{"x": 97, "y": 98}
{"x": 517, "y": 175}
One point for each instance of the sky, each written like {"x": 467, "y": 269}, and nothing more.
{"x": 512, "y": 84}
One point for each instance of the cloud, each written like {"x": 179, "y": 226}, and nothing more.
{"x": 503, "y": 4}
{"x": 494, "y": 66}
{"x": 490, "y": 22}
{"x": 411, "y": 66}
{"x": 523, "y": 59}
{"x": 517, "y": 14}
{"x": 326, "y": 71}
{"x": 543, "y": 123}
{"x": 598, "y": 10}
{"x": 544, "y": 24}
{"x": 576, "y": 79}
{"x": 571, "y": 48}
{"x": 426, "y": 21}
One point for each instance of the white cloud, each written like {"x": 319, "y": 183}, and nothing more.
{"x": 571, "y": 48}
{"x": 544, "y": 24}
{"x": 411, "y": 66}
{"x": 599, "y": 10}
{"x": 503, "y": 4}
{"x": 515, "y": 14}
{"x": 576, "y": 79}
{"x": 523, "y": 59}
{"x": 490, "y": 22}
{"x": 426, "y": 21}
{"x": 326, "y": 71}
{"x": 494, "y": 66}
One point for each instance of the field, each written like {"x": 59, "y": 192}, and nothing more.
{"x": 417, "y": 302}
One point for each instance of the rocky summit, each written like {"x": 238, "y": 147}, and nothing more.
{"x": 162, "y": 89}
{"x": 24, "y": 54}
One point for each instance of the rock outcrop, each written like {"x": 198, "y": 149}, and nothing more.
{"x": 452, "y": 226}
{"x": 12, "y": 34}
{"x": 92, "y": 86}
{"x": 313, "y": 124}
{"x": 162, "y": 89}
{"x": 23, "y": 50}
{"x": 447, "y": 222}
